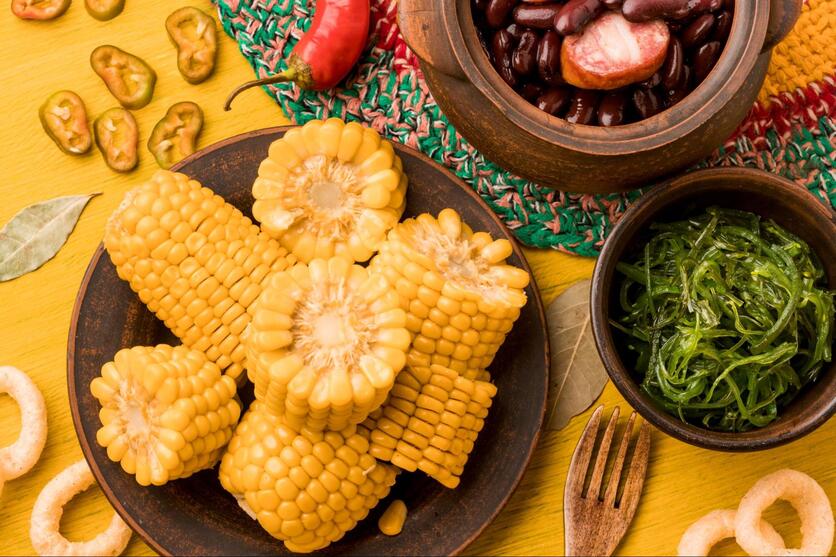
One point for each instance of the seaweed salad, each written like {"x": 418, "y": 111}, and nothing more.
{"x": 729, "y": 317}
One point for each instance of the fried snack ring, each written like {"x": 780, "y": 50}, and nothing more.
{"x": 718, "y": 525}
{"x": 19, "y": 457}
{"x": 46, "y": 518}
{"x": 430, "y": 421}
{"x": 805, "y": 495}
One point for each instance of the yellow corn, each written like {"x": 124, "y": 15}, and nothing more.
{"x": 305, "y": 488}
{"x": 194, "y": 260}
{"x": 430, "y": 421}
{"x": 392, "y": 520}
{"x": 330, "y": 188}
{"x": 460, "y": 296}
{"x": 166, "y": 412}
{"x": 326, "y": 343}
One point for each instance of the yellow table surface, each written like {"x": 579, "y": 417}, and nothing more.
{"x": 38, "y": 58}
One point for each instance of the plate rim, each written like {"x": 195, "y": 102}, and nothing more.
{"x": 84, "y": 442}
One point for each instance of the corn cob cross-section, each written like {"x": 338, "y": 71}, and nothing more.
{"x": 196, "y": 261}
{"x": 330, "y": 188}
{"x": 326, "y": 343}
{"x": 460, "y": 297}
{"x": 166, "y": 412}
{"x": 305, "y": 488}
{"x": 430, "y": 422}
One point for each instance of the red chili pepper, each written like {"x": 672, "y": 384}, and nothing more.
{"x": 327, "y": 52}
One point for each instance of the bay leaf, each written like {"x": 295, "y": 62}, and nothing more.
{"x": 34, "y": 235}
{"x": 576, "y": 375}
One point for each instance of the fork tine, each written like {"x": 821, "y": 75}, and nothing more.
{"x": 601, "y": 459}
{"x": 638, "y": 469}
{"x": 582, "y": 455}
{"x": 618, "y": 465}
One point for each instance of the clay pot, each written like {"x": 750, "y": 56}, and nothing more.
{"x": 552, "y": 152}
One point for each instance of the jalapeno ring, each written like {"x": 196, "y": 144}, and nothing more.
{"x": 64, "y": 119}
{"x": 117, "y": 136}
{"x": 104, "y": 10}
{"x": 195, "y": 35}
{"x": 129, "y": 78}
{"x": 175, "y": 136}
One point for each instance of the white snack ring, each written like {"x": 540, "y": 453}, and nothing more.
{"x": 19, "y": 457}
{"x": 805, "y": 495}
{"x": 46, "y": 518}
{"x": 718, "y": 525}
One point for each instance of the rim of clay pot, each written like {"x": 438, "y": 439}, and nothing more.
{"x": 742, "y": 49}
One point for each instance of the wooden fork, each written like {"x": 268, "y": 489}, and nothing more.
{"x": 594, "y": 525}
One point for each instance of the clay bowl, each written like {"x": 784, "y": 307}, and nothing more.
{"x": 195, "y": 516}
{"x": 769, "y": 196}
{"x": 547, "y": 150}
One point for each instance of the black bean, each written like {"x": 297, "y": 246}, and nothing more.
{"x": 554, "y": 101}
{"x": 696, "y": 34}
{"x": 497, "y": 12}
{"x": 652, "y": 81}
{"x": 502, "y": 46}
{"x": 672, "y": 68}
{"x": 524, "y": 58}
{"x": 575, "y": 14}
{"x": 673, "y": 96}
{"x": 722, "y": 26}
{"x": 539, "y": 16}
{"x": 582, "y": 109}
{"x": 530, "y": 91}
{"x": 515, "y": 30}
{"x": 646, "y": 102}
{"x": 548, "y": 57}
{"x": 613, "y": 4}
{"x": 480, "y": 4}
{"x": 611, "y": 111}
{"x": 705, "y": 58}
{"x": 728, "y": 5}
{"x": 645, "y": 10}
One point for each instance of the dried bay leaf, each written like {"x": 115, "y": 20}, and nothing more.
{"x": 36, "y": 233}
{"x": 576, "y": 375}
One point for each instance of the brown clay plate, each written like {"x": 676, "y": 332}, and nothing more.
{"x": 195, "y": 516}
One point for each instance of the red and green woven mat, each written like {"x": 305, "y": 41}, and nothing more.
{"x": 790, "y": 131}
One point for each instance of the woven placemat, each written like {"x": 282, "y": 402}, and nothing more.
{"x": 790, "y": 131}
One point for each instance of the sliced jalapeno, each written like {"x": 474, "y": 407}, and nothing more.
{"x": 194, "y": 34}
{"x": 127, "y": 77}
{"x": 117, "y": 136}
{"x": 64, "y": 119}
{"x": 175, "y": 136}
{"x": 39, "y": 9}
{"x": 104, "y": 10}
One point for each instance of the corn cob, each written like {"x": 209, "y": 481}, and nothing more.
{"x": 330, "y": 188}
{"x": 166, "y": 412}
{"x": 305, "y": 488}
{"x": 326, "y": 343}
{"x": 430, "y": 422}
{"x": 460, "y": 297}
{"x": 194, "y": 260}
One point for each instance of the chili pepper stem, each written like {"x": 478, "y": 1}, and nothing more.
{"x": 287, "y": 75}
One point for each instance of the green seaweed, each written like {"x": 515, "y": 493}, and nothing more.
{"x": 728, "y": 316}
